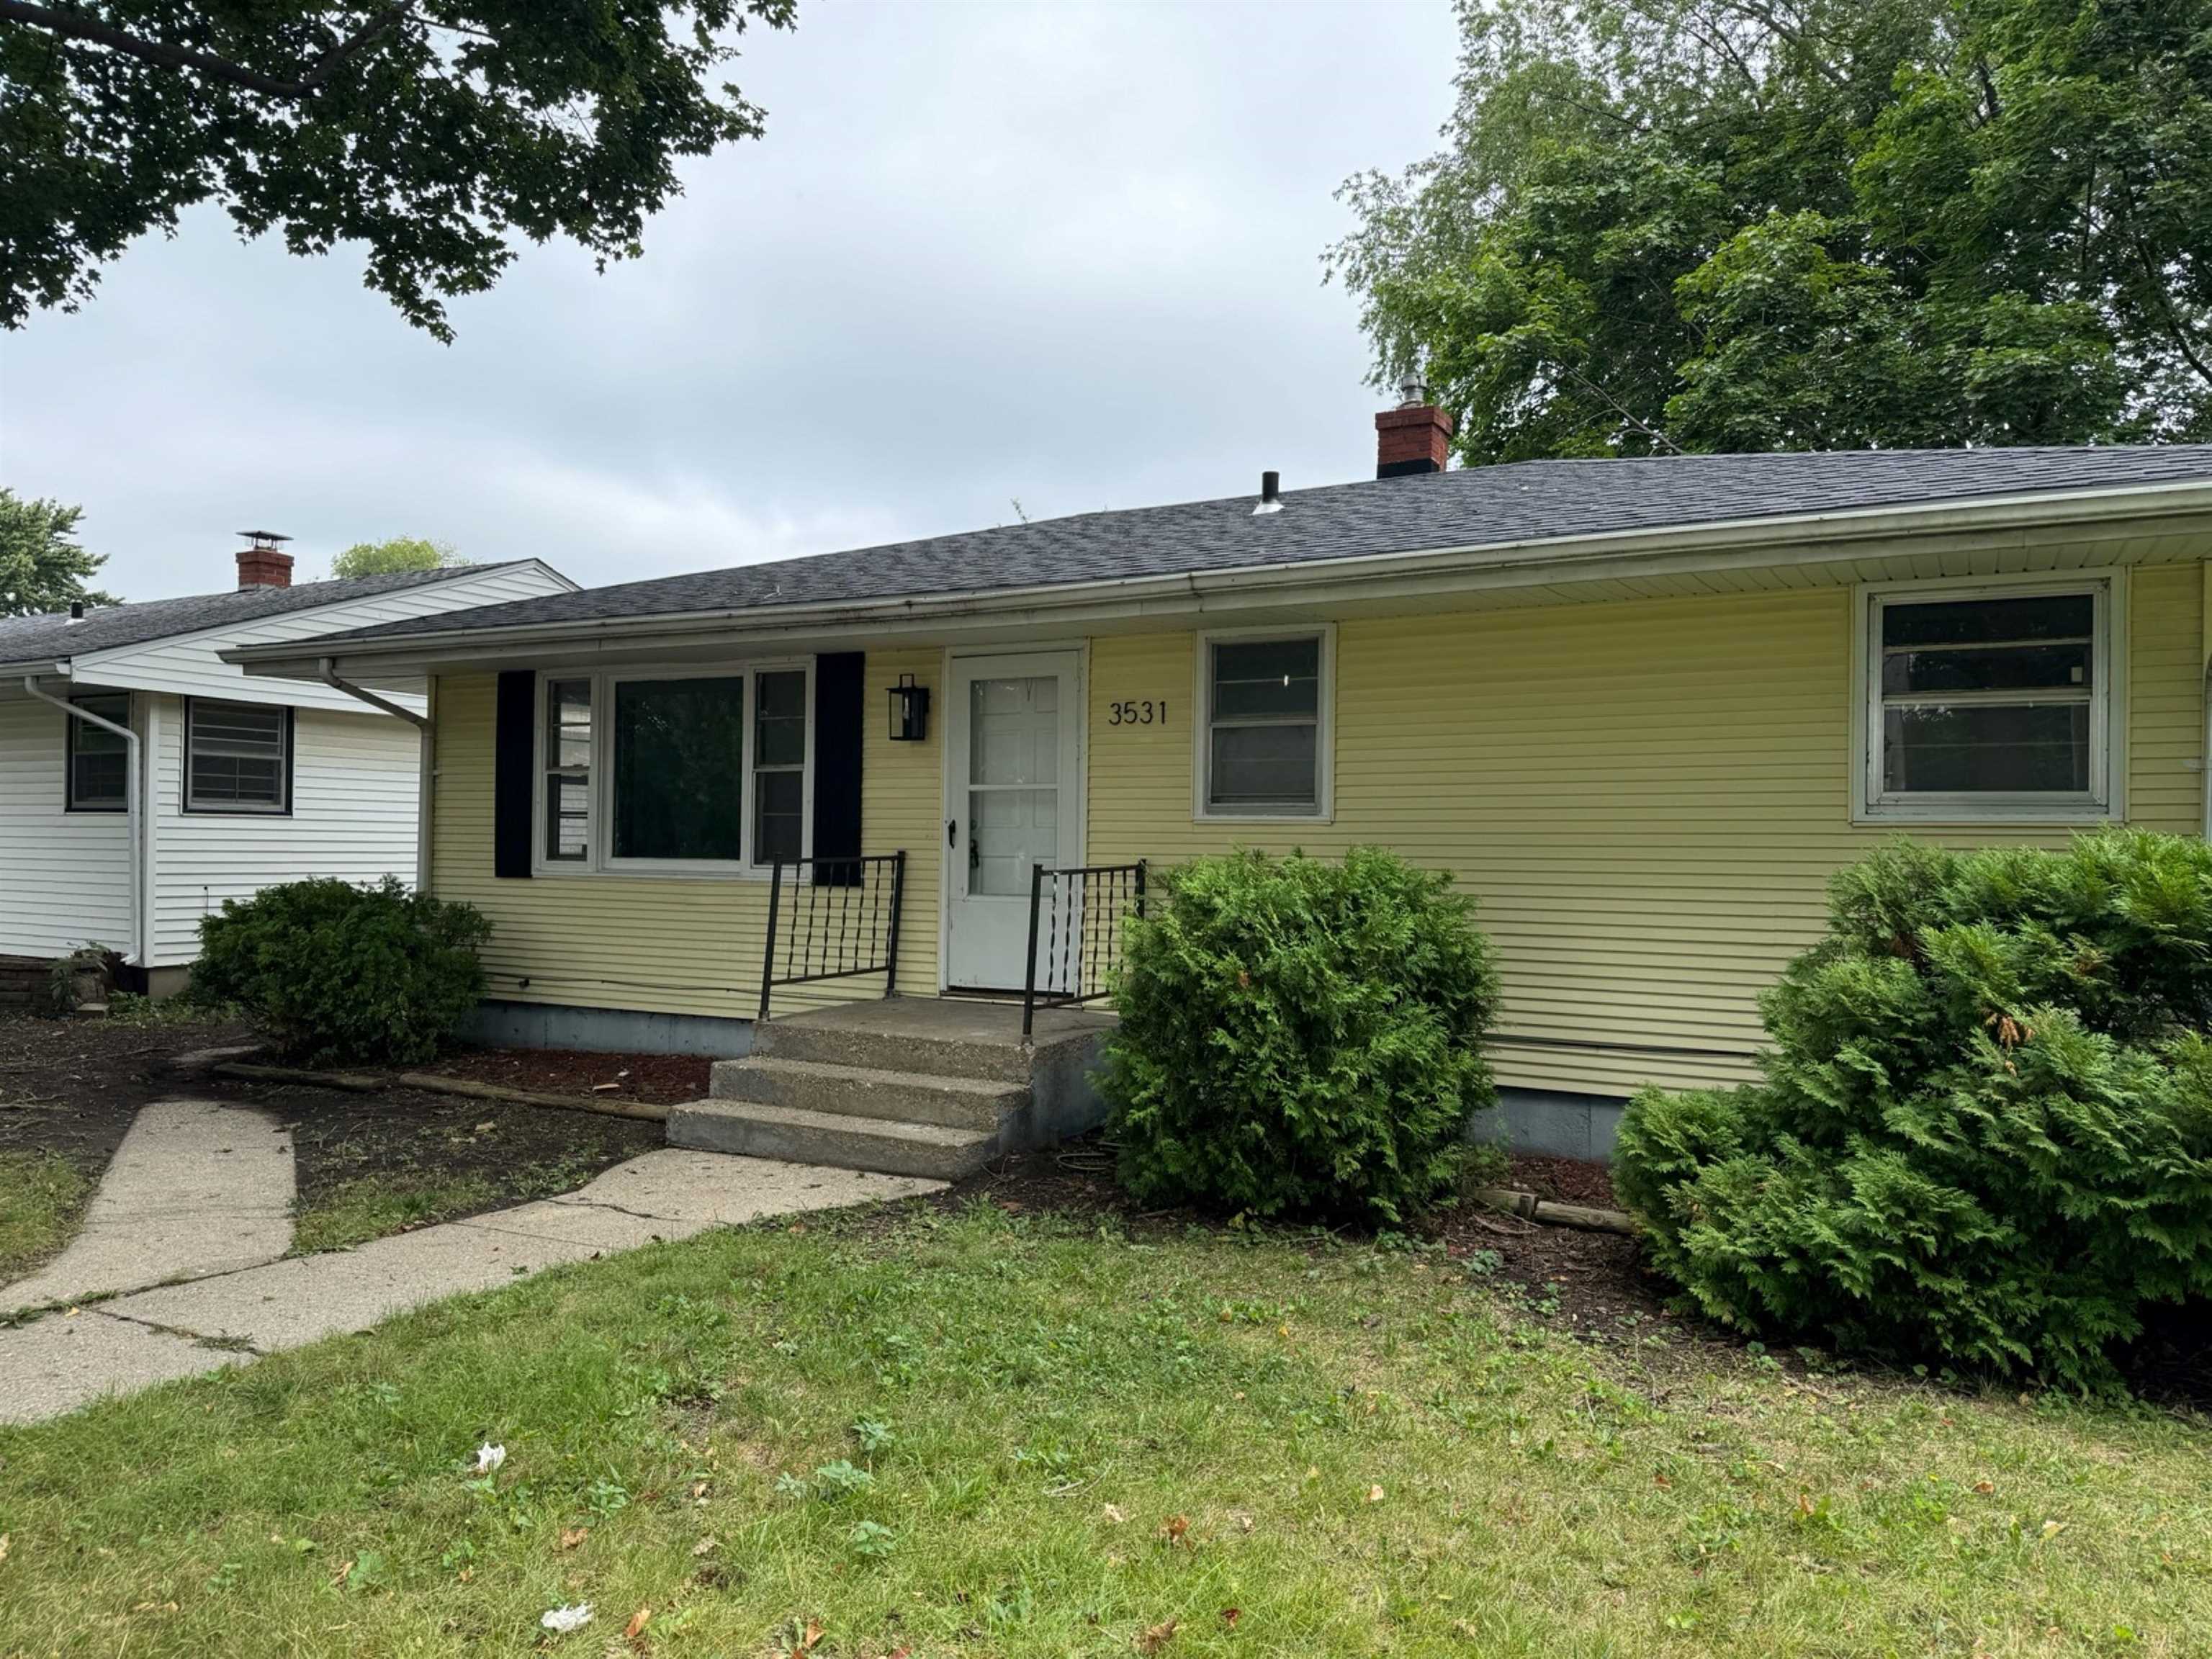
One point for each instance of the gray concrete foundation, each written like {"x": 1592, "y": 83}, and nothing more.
{"x": 1551, "y": 1124}
{"x": 607, "y": 1030}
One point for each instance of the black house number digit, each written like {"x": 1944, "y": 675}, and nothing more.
{"x": 1133, "y": 712}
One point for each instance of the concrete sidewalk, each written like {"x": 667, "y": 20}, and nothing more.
{"x": 60, "y": 1362}
{"x": 197, "y": 1187}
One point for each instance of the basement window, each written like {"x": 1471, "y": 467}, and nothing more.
{"x": 1990, "y": 704}
{"x": 99, "y": 760}
{"x": 1264, "y": 726}
{"x": 238, "y": 757}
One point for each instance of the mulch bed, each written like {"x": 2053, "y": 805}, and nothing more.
{"x": 667, "y": 1079}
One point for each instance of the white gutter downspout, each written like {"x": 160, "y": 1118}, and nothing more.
{"x": 133, "y": 818}
{"x": 426, "y": 769}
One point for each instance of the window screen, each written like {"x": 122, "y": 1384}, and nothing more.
{"x": 237, "y": 756}
{"x": 99, "y": 760}
{"x": 1263, "y": 740}
{"x": 679, "y": 769}
{"x": 1988, "y": 697}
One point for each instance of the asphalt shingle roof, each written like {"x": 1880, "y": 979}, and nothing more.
{"x": 48, "y": 638}
{"x": 1472, "y": 508}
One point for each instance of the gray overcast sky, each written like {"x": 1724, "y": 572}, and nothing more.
{"x": 1054, "y": 252}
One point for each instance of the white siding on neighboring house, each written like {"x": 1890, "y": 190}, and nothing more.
{"x": 353, "y": 816}
{"x": 64, "y": 877}
{"x": 188, "y": 664}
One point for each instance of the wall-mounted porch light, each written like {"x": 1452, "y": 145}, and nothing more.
{"x": 910, "y": 711}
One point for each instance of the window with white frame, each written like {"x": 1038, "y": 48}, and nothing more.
{"x": 1992, "y": 702}
{"x": 1263, "y": 750}
{"x": 238, "y": 757}
{"x": 643, "y": 771}
{"x": 98, "y": 759}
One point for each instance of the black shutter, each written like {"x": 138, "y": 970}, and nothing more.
{"x": 514, "y": 764}
{"x": 841, "y": 696}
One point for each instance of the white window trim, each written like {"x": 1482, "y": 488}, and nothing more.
{"x": 288, "y": 749}
{"x": 1324, "y": 809}
{"x": 2106, "y": 800}
{"x": 599, "y": 859}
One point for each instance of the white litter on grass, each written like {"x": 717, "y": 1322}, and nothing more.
{"x": 490, "y": 1457}
{"x": 565, "y": 1620}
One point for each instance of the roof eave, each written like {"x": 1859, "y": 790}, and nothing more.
{"x": 1764, "y": 542}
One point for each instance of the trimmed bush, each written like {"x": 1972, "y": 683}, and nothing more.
{"x": 1300, "y": 1038}
{"x": 341, "y": 974}
{"x": 1985, "y": 1138}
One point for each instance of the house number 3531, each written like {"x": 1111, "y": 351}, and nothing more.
{"x": 1145, "y": 712}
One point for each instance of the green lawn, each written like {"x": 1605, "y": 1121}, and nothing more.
{"x": 997, "y": 1435}
{"x": 42, "y": 1196}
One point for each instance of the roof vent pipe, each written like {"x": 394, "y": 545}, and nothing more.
{"x": 77, "y": 610}
{"x": 1271, "y": 494}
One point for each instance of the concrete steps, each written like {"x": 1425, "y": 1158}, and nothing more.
{"x": 753, "y": 1129}
{"x": 918, "y": 1086}
{"x": 927, "y": 1053}
{"x": 954, "y": 1103}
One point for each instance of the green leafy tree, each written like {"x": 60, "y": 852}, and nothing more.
{"x": 1663, "y": 225}
{"x": 432, "y": 132}
{"x": 43, "y": 566}
{"x": 397, "y": 554}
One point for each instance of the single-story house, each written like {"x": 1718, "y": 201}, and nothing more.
{"x": 1641, "y": 708}
{"x": 143, "y": 779}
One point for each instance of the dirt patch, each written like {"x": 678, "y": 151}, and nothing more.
{"x": 667, "y": 1079}
{"x": 502, "y": 1154}
{"x": 72, "y": 1086}
{"x": 1565, "y": 1180}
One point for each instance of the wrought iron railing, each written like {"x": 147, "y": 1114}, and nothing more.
{"x": 1075, "y": 933}
{"x": 833, "y": 919}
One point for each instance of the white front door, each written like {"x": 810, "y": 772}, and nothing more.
{"x": 1012, "y": 802}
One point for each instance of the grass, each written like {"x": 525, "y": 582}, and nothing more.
{"x": 1027, "y": 1436}
{"x": 42, "y": 1197}
{"x": 384, "y": 1201}
{"x": 370, "y": 1206}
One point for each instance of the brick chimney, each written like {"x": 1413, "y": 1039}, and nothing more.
{"x": 261, "y": 562}
{"x": 1414, "y": 437}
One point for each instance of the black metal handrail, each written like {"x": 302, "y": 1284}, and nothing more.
{"x": 843, "y": 921}
{"x": 1076, "y": 915}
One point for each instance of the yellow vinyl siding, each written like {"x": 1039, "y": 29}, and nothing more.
{"x": 680, "y": 944}
{"x": 1647, "y": 796}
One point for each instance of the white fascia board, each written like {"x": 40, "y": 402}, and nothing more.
{"x": 1739, "y": 545}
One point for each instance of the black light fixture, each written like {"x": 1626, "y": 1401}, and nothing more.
{"x": 910, "y": 711}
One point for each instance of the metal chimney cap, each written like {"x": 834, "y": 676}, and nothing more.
{"x": 1413, "y": 391}
{"x": 267, "y": 539}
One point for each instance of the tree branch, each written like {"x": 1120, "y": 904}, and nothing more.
{"x": 1622, "y": 410}
{"x": 76, "y": 26}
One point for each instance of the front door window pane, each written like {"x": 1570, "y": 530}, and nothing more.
{"x": 1013, "y": 774}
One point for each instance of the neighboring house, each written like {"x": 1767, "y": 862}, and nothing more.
{"x": 143, "y": 780}
{"x": 1642, "y": 709}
